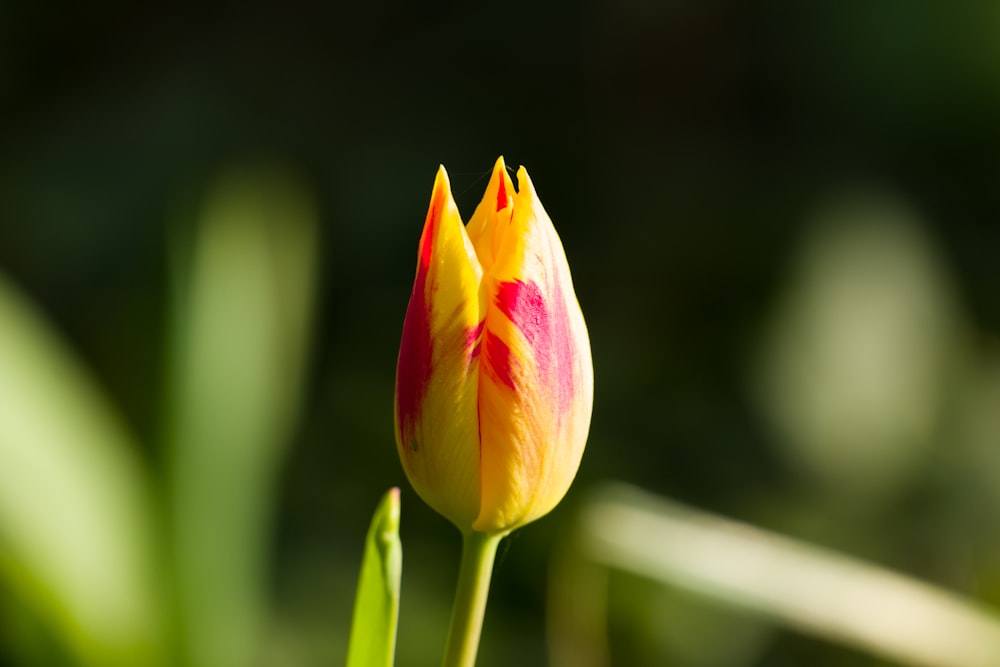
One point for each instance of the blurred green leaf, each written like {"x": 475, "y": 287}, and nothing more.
{"x": 860, "y": 359}
{"x": 75, "y": 513}
{"x": 376, "y": 607}
{"x": 242, "y": 318}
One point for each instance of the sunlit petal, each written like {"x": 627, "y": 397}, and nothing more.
{"x": 536, "y": 384}
{"x": 437, "y": 425}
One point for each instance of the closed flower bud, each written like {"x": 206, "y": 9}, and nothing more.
{"x": 494, "y": 384}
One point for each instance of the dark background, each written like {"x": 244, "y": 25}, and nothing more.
{"x": 681, "y": 149}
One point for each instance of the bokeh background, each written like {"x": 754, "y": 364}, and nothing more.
{"x": 781, "y": 219}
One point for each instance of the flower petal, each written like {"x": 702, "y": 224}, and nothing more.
{"x": 436, "y": 377}
{"x": 491, "y": 219}
{"x": 536, "y": 379}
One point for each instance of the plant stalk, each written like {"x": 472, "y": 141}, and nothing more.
{"x": 478, "y": 553}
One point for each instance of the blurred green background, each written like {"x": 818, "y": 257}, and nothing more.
{"x": 782, "y": 223}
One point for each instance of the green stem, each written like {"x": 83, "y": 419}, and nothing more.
{"x": 478, "y": 552}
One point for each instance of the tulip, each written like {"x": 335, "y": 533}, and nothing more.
{"x": 494, "y": 383}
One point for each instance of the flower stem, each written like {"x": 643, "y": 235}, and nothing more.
{"x": 478, "y": 552}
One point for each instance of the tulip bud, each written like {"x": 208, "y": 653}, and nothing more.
{"x": 494, "y": 383}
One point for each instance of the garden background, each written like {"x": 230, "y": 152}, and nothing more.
{"x": 781, "y": 219}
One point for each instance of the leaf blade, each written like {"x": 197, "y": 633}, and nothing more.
{"x": 376, "y": 605}
{"x": 77, "y": 524}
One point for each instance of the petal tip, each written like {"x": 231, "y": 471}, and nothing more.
{"x": 441, "y": 179}
{"x": 522, "y": 176}
{"x": 504, "y": 185}
{"x": 524, "y": 185}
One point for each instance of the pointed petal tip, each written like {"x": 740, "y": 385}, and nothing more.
{"x": 441, "y": 178}
{"x": 524, "y": 183}
{"x": 504, "y": 186}
{"x": 441, "y": 203}
{"x": 500, "y": 169}
{"x": 441, "y": 196}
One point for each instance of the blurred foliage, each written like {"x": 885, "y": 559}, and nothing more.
{"x": 755, "y": 581}
{"x": 83, "y": 545}
{"x": 240, "y": 330}
{"x": 782, "y": 222}
{"x": 76, "y": 520}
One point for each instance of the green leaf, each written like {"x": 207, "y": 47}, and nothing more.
{"x": 376, "y": 607}
{"x": 77, "y": 542}
{"x": 241, "y": 319}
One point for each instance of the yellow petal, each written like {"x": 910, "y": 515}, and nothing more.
{"x": 436, "y": 416}
{"x": 536, "y": 379}
{"x": 492, "y": 217}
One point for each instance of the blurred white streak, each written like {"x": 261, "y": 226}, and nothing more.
{"x": 802, "y": 586}
{"x": 76, "y": 523}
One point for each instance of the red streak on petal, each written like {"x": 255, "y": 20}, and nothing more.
{"x": 524, "y": 305}
{"x": 415, "y": 354}
{"x": 427, "y": 240}
{"x": 562, "y": 349}
{"x": 498, "y": 358}
{"x": 546, "y": 328}
{"x": 416, "y": 349}
{"x": 501, "y": 195}
{"x": 473, "y": 341}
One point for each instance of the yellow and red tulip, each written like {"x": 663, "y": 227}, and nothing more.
{"x": 494, "y": 384}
